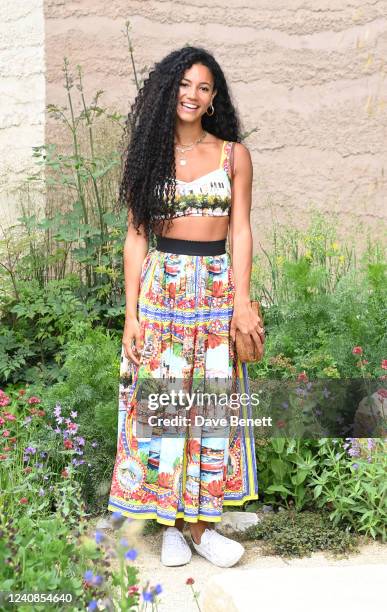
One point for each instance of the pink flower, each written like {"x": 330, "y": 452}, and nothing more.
{"x": 384, "y": 364}
{"x": 357, "y": 350}
{"x": 33, "y": 400}
{"x": 23, "y": 500}
{"x": 6, "y": 433}
{"x": 9, "y": 416}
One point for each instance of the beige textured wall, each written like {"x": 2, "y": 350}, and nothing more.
{"x": 311, "y": 76}
{"x": 22, "y": 99}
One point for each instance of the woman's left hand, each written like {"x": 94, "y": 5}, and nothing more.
{"x": 247, "y": 321}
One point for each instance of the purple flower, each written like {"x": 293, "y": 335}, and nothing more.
{"x": 355, "y": 466}
{"x": 92, "y": 605}
{"x": 97, "y": 580}
{"x": 57, "y": 410}
{"x": 131, "y": 554}
{"x": 41, "y": 492}
{"x": 81, "y": 441}
{"x": 99, "y": 537}
{"x": 88, "y": 575}
{"x": 371, "y": 443}
{"x": 124, "y": 542}
{"x": 94, "y": 444}
{"x": 148, "y": 595}
{"x": 74, "y": 414}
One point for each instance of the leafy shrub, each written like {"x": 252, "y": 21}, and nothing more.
{"x": 351, "y": 481}
{"x": 36, "y": 327}
{"x": 298, "y": 534}
{"x": 284, "y": 468}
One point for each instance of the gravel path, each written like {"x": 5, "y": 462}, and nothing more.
{"x": 177, "y": 595}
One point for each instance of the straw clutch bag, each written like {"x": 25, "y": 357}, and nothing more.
{"x": 246, "y": 348}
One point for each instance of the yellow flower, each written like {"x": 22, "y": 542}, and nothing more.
{"x": 280, "y": 260}
{"x": 308, "y": 254}
{"x": 335, "y": 246}
{"x": 341, "y": 258}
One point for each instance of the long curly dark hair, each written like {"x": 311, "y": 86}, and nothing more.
{"x": 148, "y": 161}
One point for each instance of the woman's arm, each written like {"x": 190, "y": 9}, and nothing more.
{"x": 135, "y": 250}
{"x": 241, "y": 244}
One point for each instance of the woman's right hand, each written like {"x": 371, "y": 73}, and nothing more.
{"x": 132, "y": 333}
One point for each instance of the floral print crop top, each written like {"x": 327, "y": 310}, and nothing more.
{"x": 208, "y": 195}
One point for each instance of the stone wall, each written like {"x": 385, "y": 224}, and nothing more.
{"x": 22, "y": 101}
{"x": 309, "y": 76}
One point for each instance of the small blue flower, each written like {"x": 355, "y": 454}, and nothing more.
{"x": 131, "y": 554}
{"x": 99, "y": 537}
{"x": 355, "y": 466}
{"x": 124, "y": 542}
{"x": 88, "y": 575}
{"x": 158, "y": 588}
{"x": 148, "y": 595}
{"x": 97, "y": 580}
{"x": 92, "y": 605}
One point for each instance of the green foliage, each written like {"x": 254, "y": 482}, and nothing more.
{"x": 42, "y": 556}
{"x": 284, "y": 468}
{"x": 90, "y": 386}
{"x": 37, "y": 325}
{"x": 354, "y": 488}
{"x": 320, "y": 299}
{"x": 298, "y": 534}
{"x": 323, "y": 474}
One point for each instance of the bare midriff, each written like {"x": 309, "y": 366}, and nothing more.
{"x": 195, "y": 228}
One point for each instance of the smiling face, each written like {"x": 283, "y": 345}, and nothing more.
{"x": 196, "y": 93}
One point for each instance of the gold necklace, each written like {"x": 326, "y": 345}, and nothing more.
{"x": 183, "y": 148}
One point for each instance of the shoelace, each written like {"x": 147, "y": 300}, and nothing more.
{"x": 178, "y": 538}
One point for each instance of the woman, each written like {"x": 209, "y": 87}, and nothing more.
{"x": 184, "y": 303}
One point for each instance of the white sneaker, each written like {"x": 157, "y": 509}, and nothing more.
{"x": 174, "y": 549}
{"x": 218, "y": 549}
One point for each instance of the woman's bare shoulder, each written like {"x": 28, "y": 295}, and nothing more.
{"x": 242, "y": 153}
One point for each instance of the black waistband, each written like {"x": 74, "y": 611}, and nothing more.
{"x": 190, "y": 247}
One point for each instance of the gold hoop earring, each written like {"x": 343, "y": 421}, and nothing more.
{"x": 213, "y": 110}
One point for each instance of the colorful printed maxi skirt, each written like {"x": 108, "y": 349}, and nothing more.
{"x": 184, "y": 309}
